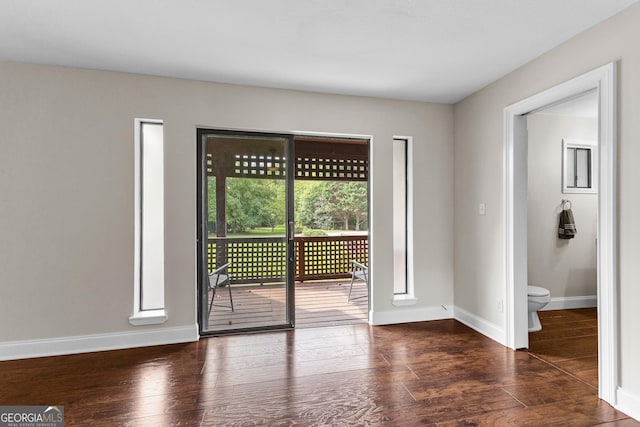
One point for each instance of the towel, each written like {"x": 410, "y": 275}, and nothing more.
{"x": 567, "y": 226}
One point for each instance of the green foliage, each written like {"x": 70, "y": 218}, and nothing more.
{"x": 250, "y": 203}
{"x": 332, "y": 204}
{"x": 313, "y": 210}
{"x": 319, "y": 205}
{"x": 310, "y": 232}
{"x": 254, "y": 203}
{"x": 350, "y": 202}
{"x": 261, "y": 232}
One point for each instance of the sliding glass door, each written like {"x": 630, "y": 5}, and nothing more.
{"x": 245, "y": 235}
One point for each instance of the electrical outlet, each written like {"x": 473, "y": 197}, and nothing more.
{"x": 482, "y": 210}
{"x": 500, "y": 306}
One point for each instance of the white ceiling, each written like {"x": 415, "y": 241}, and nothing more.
{"x": 427, "y": 50}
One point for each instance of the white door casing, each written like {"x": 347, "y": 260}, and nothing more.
{"x": 602, "y": 79}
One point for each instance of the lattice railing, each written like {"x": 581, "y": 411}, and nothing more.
{"x": 263, "y": 260}
{"x": 251, "y": 260}
{"x": 329, "y": 257}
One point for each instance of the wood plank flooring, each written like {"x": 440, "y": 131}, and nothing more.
{"x": 438, "y": 373}
{"x": 318, "y": 303}
{"x": 569, "y": 341}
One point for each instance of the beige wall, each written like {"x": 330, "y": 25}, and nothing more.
{"x": 479, "y": 245}
{"x": 66, "y": 186}
{"x": 566, "y": 267}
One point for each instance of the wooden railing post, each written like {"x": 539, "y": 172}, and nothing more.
{"x": 301, "y": 261}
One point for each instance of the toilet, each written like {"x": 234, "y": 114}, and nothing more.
{"x": 537, "y": 298}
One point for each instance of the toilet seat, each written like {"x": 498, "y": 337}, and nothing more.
{"x": 537, "y": 291}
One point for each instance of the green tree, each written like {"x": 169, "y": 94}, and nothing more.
{"x": 327, "y": 204}
{"x": 275, "y": 207}
{"x": 254, "y": 203}
{"x": 312, "y": 205}
{"x": 318, "y": 204}
{"x": 353, "y": 201}
{"x": 348, "y": 202}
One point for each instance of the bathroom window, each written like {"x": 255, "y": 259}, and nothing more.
{"x": 579, "y": 166}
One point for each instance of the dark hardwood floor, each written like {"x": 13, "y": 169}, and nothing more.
{"x": 419, "y": 374}
{"x": 569, "y": 341}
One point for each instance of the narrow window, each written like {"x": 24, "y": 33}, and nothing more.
{"x": 578, "y": 160}
{"x": 149, "y": 223}
{"x": 400, "y": 223}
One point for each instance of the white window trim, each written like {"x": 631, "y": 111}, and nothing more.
{"x": 408, "y": 298}
{"x": 580, "y": 143}
{"x": 141, "y": 317}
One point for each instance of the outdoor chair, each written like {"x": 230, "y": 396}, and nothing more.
{"x": 359, "y": 271}
{"x": 220, "y": 278}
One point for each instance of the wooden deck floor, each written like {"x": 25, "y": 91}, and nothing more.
{"x": 320, "y": 303}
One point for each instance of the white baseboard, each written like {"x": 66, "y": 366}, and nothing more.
{"x": 628, "y": 403}
{"x": 407, "y": 315}
{"x": 566, "y": 303}
{"x": 479, "y": 324}
{"x": 88, "y": 343}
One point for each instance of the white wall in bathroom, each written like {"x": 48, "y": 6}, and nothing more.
{"x": 566, "y": 267}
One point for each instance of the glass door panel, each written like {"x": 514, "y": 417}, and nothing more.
{"x": 246, "y": 245}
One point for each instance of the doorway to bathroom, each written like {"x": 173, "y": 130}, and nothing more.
{"x": 562, "y": 141}
{"x": 603, "y": 81}
{"x": 561, "y": 256}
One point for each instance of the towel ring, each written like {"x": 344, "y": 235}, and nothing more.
{"x": 565, "y": 202}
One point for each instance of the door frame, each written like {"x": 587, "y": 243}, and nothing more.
{"x": 603, "y": 79}
{"x": 201, "y": 228}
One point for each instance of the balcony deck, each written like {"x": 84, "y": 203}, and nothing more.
{"x": 318, "y": 303}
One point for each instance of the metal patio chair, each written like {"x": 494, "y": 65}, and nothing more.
{"x": 359, "y": 271}
{"x": 220, "y": 278}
